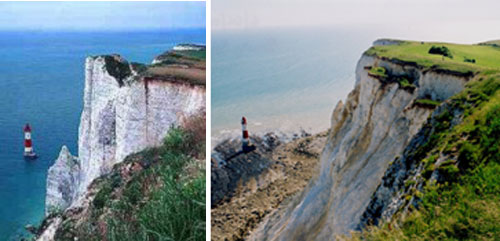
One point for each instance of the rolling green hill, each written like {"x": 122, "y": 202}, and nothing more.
{"x": 487, "y": 57}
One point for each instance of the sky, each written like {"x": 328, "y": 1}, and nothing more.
{"x": 447, "y": 20}
{"x": 96, "y": 16}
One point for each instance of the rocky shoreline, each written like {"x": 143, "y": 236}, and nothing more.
{"x": 248, "y": 186}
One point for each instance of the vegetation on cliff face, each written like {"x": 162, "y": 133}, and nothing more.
{"x": 380, "y": 73}
{"x": 427, "y": 103}
{"x": 117, "y": 67}
{"x": 156, "y": 194}
{"x": 460, "y": 196}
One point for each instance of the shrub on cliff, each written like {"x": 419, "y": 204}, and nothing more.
{"x": 117, "y": 67}
{"x": 378, "y": 72}
{"x": 441, "y": 50}
{"x": 469, "y": 60}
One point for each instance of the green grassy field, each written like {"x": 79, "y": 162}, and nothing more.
{"x": 196, "y": 54}
{"x": 487, "y": 57}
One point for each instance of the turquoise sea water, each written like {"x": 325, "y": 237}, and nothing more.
{"x": 41, "y": 82}
{"x": 283, "y": 79}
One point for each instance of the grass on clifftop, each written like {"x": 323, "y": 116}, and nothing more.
{"x": 186, "y": 66}
{"x": 195, "y": 54}
{"x": 466, "y": 205}
{"x": 487, "y": 57}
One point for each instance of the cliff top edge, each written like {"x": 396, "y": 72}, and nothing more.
{"x": 185, "y": 64}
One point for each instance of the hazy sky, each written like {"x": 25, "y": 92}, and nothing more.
{"x": 101, "y": 15}
{"x": 447, "y": 20}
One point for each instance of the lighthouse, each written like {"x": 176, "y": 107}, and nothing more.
{"x": 245, "y": 141}
{"x": 28, "y": 146}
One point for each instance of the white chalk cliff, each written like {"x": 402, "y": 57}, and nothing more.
{"x": 368, "y": 130}
{"x": 123, "y": 113}
{"x": 63, "y": 178}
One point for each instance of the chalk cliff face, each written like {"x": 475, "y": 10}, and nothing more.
{"x": 63, "y": 178}
{"x": 123, "y": 113}
{"x": 406, "y": 172}
{"x": 368, "y": 131}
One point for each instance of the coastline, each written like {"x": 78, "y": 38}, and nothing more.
{"x": 290, "y": 162}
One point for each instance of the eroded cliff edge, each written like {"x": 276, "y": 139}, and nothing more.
{"x": 369, "y": 130}
{"x": 127, "y": 108}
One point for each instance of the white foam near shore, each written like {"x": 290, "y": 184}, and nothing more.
{"x": 284, "y": 135}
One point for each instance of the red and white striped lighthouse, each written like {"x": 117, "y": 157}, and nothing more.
{"x": 245, "y": 141}
{"x": 28, "y": 146}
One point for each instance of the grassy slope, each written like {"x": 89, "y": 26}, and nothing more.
{"x": 487, "y": 57}
{"x": 467, "y": 205}
{"x": 171, "y": 62}
{"x": 493, "y": 43}
{"x": 195, "y": 54}
{"x": 160, "y": 197}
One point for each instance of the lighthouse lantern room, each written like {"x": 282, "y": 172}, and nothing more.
{"x": 28, "y": 145}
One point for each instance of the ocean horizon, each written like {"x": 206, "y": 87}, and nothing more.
{"x": 42, "y": 84}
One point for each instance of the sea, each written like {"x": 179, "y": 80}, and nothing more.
{"x": 41, "y": 83}
{"x": 282, "y": 80}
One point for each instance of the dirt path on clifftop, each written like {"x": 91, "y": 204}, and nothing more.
{"x": 294, "y": 164}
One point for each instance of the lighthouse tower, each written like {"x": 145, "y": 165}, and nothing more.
{"x": 28, "y": 146}
{"x": 245, "y": 141}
